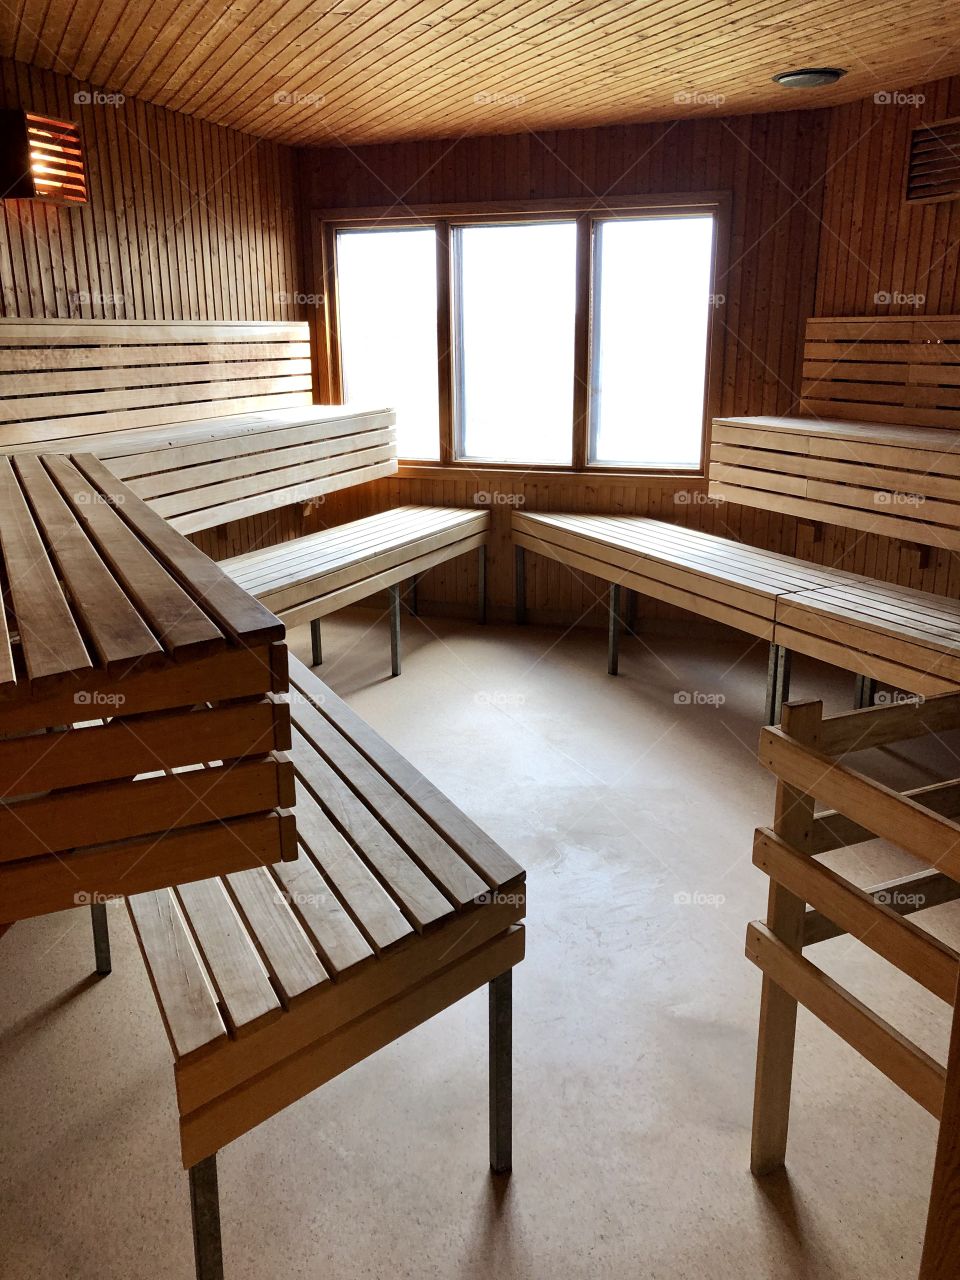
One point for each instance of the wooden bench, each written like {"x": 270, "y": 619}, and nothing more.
{"x": 810, "y": 902}
{"x": 880, "y": 631}
{"x": 273, "y": 981}
{"x": 897, "y": 475}
{"x": 149, "y": 401}
{"x": 322, "y": 572}
{"x": 876, "y": 447}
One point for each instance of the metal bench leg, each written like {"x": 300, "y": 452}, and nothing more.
{"x": 101, "y": 938}
{"x": 778, "y": 682}
{"x": 395, "y": 630}
{"x": 317, "y": 642}
{"x": 864, "y": 692}
{"x": 520, "y": 586}
{"x": 613, "y": 632}
{"x": 501, "y": 1073}
{"x": 482, "y": 583}
{"x": 205, "y": 1210}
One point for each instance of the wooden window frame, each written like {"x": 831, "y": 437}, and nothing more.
{"x": 586, "y": 213}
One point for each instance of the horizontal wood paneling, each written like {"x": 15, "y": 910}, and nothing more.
{"x": 880, "y": 256}
{"x": 186, "y": 221}
{"x": 769, "y": 164}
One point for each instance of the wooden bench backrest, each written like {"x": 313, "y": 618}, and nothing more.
{"x": 63, "y": 378}
{"x": 883, "y": 369}
{"x": 878, "y": 445}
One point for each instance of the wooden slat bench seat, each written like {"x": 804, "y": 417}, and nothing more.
{"x": 210, "y": 423}
{"x": 273, "y": 981}
{"x": 880, "y": 631}
{"x": 304, "y": 580}
{"x": 877, "y": 444}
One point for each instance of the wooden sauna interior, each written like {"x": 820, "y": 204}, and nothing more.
{"x": 226, "y": 147}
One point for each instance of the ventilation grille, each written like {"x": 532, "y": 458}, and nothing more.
{"x": 933, "y": 172}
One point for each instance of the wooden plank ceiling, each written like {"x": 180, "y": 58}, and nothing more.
{"x": 352, "y": 71}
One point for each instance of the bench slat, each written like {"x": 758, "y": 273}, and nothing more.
{"x": 419, "y": 898}
{"x": 340, "y": 943}
{"x": 283, "y": 946}
{"x": 232, "y": 961}
{"x": 188, "y": 1006}
{"x": 49, "y": 639}
{"x": 366, "y": 901}
{"x": 179, "y": 623}
{"x": 118, "y": 632}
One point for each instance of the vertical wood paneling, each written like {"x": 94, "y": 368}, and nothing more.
{"x": 186, "y": 220}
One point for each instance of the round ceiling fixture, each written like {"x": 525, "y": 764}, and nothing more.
{"x": 809, "y": 77}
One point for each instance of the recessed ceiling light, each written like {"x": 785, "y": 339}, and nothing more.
{"x": 809, "y": 77}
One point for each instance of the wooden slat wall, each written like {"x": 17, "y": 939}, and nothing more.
{"x": 186, "y": 221}
{"x": 771, "y": 166}
{"x": 874, "y": 246}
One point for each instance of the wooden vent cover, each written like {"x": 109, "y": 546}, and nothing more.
{"x": 933, "y": 170}
{"x": 42, "y": 159}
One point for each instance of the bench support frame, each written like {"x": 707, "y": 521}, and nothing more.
{"x": 520, "y": 585}
{"x": 778, "y": 682}
{"x": 101, "y": 938}
{"x": 394, "y": 629}
{"x": 205, "y": 1212}
{"x": 614, "y": 627}
{"x": 316, "y": 642}
{"x": 864, "y": 692}
{"x": 501, "y": 1072}
{"x": 482, "y": 583}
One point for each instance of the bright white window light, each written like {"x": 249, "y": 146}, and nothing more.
{"x": 652, "y": 306}
{"x": 515, "y": 289}
{"x": 387, "y": 293}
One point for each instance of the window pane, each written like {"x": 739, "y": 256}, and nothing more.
{"x": 387, "y": 285}
{"x": 651, "y": 313}
{"x": 514, "y": 355}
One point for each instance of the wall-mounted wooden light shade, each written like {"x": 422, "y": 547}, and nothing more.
{"x": 41, "y": 159}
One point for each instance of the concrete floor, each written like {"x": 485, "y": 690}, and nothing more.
{"x": 634, "y": 1035}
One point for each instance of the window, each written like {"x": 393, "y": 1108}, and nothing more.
{"x": 570, "y": 339}
{"x": 387, "y": 295}
{"x": 651, "y": 299}
{"x": 516, "y": 296}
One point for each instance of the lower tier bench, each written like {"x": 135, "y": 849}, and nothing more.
{"x": 310, "y": 577}
{"x": 880, "y": 631}
{"x": 272, "y": 981}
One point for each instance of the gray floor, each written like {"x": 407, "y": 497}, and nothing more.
{"x": 632, "y": 803}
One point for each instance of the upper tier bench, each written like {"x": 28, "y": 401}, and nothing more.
{"x": 148, "y": 400}
{"x": 877, "y": 447}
